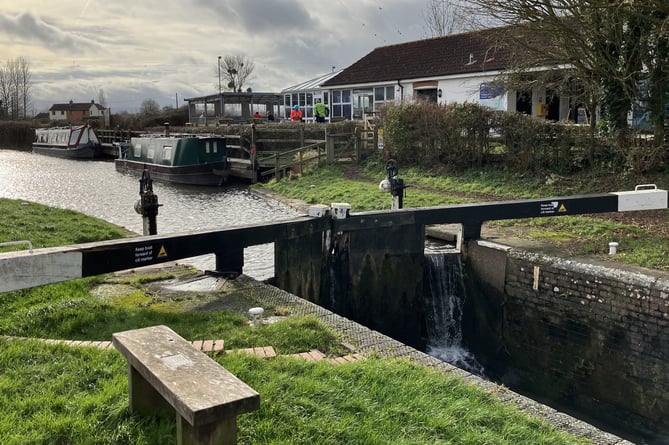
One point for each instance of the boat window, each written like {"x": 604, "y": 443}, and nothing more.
{"x": 207, "y": 147}
{"x": 137, "y": 150}
{"x": 167, "y": 152}
{"x": 74, "y": 136}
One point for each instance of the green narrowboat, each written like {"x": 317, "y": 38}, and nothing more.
{"x": 179, "y": 158}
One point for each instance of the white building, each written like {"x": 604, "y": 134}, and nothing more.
{"x": 456, "y": 68}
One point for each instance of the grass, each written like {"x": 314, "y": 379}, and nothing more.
{"x": 68, "y": 311}
{"x": 581, "y": 235}
{"x": 44, "y": 226}
{"x": 56, "y": 394}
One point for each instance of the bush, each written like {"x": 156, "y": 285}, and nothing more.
{"x": 462, "y": 136}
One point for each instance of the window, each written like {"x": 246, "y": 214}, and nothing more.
{"x": 167, "y": 152}
{"x": 341, "y": 103}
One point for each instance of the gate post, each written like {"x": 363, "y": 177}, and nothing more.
{"x": 230, "y": 262}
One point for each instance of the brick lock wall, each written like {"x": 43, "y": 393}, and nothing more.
{"x": 591, "y": 336}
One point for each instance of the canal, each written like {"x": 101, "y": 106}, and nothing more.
{"x": 95, "y": 188}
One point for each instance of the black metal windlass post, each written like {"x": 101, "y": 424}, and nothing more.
{"x": 396, "y": 184}
{"x": 147, "y": 206}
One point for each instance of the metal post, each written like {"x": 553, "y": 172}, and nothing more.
{"x": 396, "y": 184}
{"x": 219, "y": 75}
{"x": 393, "y": 184}
{"x": 147, "y": 206}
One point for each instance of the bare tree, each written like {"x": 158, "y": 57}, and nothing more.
{"x": 236, "y": 70}
{"x": 12, "y": 71}
{"x": 599, "y": 41}
{"x": 15, "y": 86}
{"x": 24, "y": 85}
{"x": 149, "y": 107}
{"x": 445, "y": 17}
{"x": 5, "y": 92}
{"x": 102, "y": 99}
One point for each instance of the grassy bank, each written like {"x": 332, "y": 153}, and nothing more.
{"x": 644, "y": 245}
{"x": 56, "y": 394}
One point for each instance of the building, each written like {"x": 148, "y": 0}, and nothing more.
{"x": 231, "y": 106}
{"x": 305, "y": 94}
{"x": 79, "y": 112}
{"x": 456, "y": 68}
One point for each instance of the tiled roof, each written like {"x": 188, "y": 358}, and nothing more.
{"x": 470, "y": 52}
{"x": 72, "y": 106}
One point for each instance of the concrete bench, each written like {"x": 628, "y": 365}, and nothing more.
{"x": 167, "y": 375}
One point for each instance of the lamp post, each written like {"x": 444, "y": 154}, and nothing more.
{"x": 219, "y": 75}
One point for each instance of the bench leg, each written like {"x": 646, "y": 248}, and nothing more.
{"x": 223, "y": 432}
{"x": 144, "y": 399}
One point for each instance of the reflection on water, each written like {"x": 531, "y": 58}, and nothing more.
{"x": 96, "y": 189}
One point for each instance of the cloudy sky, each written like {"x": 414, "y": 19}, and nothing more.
{"x": 168, "y": 50}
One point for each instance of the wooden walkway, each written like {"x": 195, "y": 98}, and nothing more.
{"x": 211, "y": 346}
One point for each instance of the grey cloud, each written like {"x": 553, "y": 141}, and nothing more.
{"x": 263, "y": 17}
{"x": 28, "y": 27}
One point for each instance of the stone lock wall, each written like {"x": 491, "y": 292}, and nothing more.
{"x": 590, "y": 336}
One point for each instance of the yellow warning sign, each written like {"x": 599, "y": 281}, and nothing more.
{"x": 561, "y": 209}
{"x": 162, "y": 252}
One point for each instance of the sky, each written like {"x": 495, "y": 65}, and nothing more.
{"x": 168, "y": 50}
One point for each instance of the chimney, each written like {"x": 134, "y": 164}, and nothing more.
{"x": 167, "y": 128}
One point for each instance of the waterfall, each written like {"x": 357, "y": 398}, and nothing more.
{"x": 443, "y": 312}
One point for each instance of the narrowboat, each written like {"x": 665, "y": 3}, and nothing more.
{"x": 178, "y": 158}
{"x": 77, "y": 142}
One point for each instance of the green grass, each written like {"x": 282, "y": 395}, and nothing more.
{"x": 56, "y": 394}
{"x": 68, "y": 311}
{"x": 577, "y": 234}
{"x": 327, "y": 185}
{"x": 44, "y": 226}
{"x": 52, "y": 394}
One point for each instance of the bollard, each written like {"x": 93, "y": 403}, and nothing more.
{"x": 147, "y": 205}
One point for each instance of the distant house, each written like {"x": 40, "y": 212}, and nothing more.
{"x": 78, "y": 112}
{"x": 456, "y": 68}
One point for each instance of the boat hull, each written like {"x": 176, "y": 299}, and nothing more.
{"x": 91, "y": 151}
{"x": 74, "y": 142}
{"x": 198, "y": 174}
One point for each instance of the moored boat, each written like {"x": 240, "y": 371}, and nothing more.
{"x": 76, "y": 142}
{"x": 178, "y": 158}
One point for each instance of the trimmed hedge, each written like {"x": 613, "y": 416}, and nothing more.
{"x": 462, "y": 136}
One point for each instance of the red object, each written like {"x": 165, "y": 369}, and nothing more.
{"x": 296, "y": 115}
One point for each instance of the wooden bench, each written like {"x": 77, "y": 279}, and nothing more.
{"x": 166, "y": 374}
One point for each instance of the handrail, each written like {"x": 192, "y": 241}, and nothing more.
{"x": 18, "y": 243}
{"x": 278, "y": 166}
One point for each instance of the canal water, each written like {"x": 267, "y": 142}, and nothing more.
{"x": 97, "y": 189}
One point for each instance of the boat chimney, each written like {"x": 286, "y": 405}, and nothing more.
{"x": 167, "y": 128}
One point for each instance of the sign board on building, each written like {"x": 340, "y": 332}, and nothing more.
{"x": 492, "y": 96}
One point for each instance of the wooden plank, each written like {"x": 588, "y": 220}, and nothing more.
{"x": 198, "y": 388}
{"x": 23, "y": 269}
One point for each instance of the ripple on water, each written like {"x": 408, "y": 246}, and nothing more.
{"x": 97, "y": 189}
